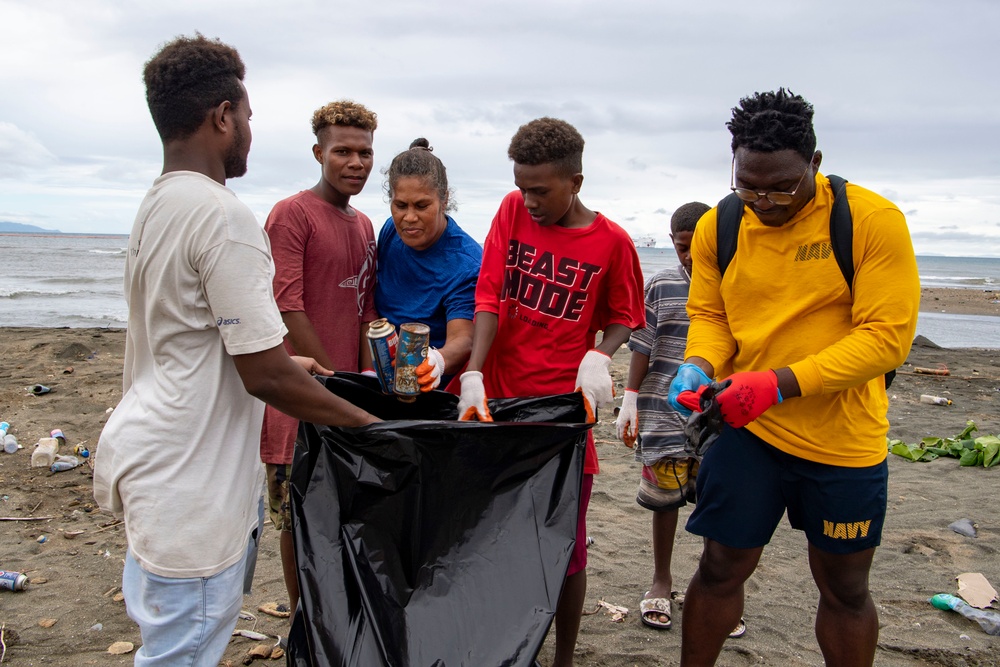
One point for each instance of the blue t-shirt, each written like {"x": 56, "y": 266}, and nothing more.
{"x": 430, "y": 286}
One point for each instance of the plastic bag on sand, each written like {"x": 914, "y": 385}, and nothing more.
{"x": 427, "y": 541}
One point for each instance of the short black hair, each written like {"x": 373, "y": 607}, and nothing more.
{"x": 548, "y": 140}
{"x": 774, "y": 121}
{"x": 686, "y": 217}
{"x": 188, "y": 77}
{"x": 419, "y": 161}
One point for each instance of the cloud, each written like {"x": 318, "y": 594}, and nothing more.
{"x": 20, "y": 151}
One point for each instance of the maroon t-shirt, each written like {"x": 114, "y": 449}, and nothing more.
{"x": 324, "y": 265}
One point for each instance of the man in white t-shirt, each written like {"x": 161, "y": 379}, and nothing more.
{"x": 179, "y": 457}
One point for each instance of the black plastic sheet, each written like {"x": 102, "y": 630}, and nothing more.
{"x": 423, "y": 541}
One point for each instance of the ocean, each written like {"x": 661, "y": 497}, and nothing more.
{"x": 71, "y": 280}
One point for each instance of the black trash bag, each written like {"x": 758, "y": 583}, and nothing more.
{"x": 424, "y": 541}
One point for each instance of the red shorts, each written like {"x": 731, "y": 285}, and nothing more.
{"x": 578, "y": 562}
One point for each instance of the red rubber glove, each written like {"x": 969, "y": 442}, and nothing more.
{"x": 748, "y": 397}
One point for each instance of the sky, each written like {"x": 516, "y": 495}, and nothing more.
{"x": 906, "y": 95}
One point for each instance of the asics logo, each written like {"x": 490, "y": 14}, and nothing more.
{"x": 223, "y": 321}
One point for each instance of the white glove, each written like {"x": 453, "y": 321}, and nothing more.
{"x": 430, "y": 369}
{"x": 593, "y": 380}
{"x": 627, "y": 424}
{"x": 472, "y": 402}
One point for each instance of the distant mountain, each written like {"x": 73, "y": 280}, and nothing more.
{"x": 17, "y": 227}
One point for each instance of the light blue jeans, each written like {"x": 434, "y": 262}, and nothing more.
{"x": 183, "y": 622}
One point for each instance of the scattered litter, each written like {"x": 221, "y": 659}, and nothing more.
{"x": 73, "y": 534}
{"x": 616, "y": 612}
{"x": 97, "y": 627}
{"x": 965, "y": 527}
{"x": 590, "y": 540}
{"x": 39, "y": 580}
{"x": 109, "y": 411}
{"x": 68, "y": 370}
{"x": 250, "y": 634}
{"x": 119, "y": 597}
{"x": 42, "y": 539}
{"x": 39, "y": 389}
{"x": 974, "y": 588}
{"x": 120, "y": 648}
{"x": 47, "y": 622}
{"x": 259, "y": 651}
{"x": 247, "y": 616}
{"x": 988, "y": 619}
{"x": 934, "y": 400}
{"x": 278, "y": 610}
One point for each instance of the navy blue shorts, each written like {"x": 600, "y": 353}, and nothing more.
{"x": 745, "y": 485}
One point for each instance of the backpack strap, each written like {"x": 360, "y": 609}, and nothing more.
{"x": 727, "y": 229}
{"x": 842, "y": 230}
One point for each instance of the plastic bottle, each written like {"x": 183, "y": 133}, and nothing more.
{"x": 4, "y": 427}
{"x": 10, "y": 444}
{"x": 64, "y": 463}
{"x": 988, "y": 619}
{"x": 934, "y": 400}
{"x": 45, "y": 453}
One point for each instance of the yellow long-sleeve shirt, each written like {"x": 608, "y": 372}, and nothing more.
{"x": 784, "y": 302}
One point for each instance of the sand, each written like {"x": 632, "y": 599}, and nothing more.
{"x": 76, "y": 582}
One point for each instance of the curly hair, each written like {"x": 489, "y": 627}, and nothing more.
{"x": 548, "y": 140}
{"x": 419, "y": 162}
{"x": 188, "y": 77}
{"x": 346, "y": 113}
{"x": 686, "y": 217}
{"x": 774, "y": 121}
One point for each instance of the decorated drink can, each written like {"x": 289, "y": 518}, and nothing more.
{"x": 414, "y": 339}
{"x": 383, "y": 341}
{"x": 13, "y": 581}
{"x": 58, "y": 435}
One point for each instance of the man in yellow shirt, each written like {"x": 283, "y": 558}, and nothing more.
{"x": 806, "y": 410}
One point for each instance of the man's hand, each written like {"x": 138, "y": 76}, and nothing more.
{"x": 430, "y": 369}
{"x": 627, "y": 424}
{"x": 593, "y": 380}
{"x": 311, "y": 366}
{"x": 748, "y": 397}
{"x": 689, "y": 378}
{"x": 472, "y": 402}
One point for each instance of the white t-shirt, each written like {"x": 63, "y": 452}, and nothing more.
{"x": 179, "y": 457}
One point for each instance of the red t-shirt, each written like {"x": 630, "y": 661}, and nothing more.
{"x": 324, "y": 266}
{"x": 552, "y": 290}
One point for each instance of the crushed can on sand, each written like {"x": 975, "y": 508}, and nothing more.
{"x": 383, "y": 342}
{"x": 13, "y": 581}
{"x": 414, "y": 339}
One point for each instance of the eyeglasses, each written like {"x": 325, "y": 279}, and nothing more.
{"x": 776, "y": 198}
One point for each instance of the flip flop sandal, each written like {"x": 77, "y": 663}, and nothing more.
{"x": 651, "y": 608}
{"x": 739, "y": 630}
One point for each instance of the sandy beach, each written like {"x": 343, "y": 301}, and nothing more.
{"x": 73, "y": 553}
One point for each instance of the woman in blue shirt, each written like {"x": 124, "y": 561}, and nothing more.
{"x": 427, "y": 265}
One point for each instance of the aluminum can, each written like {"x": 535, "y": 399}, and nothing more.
{"x": 383, "y": 341}
{"x": 58, "y": 435}
{"x": 13, "y": 581}
{"x": 414, "y": 338}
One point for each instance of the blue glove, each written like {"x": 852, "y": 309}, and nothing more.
{"x": 689, "y": 378}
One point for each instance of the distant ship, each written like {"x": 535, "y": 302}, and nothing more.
{"x": 645, "y": 242}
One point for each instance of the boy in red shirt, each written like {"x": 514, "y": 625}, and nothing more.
{"x": 324, "y": 280}
{"x": 554, "y": 273}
